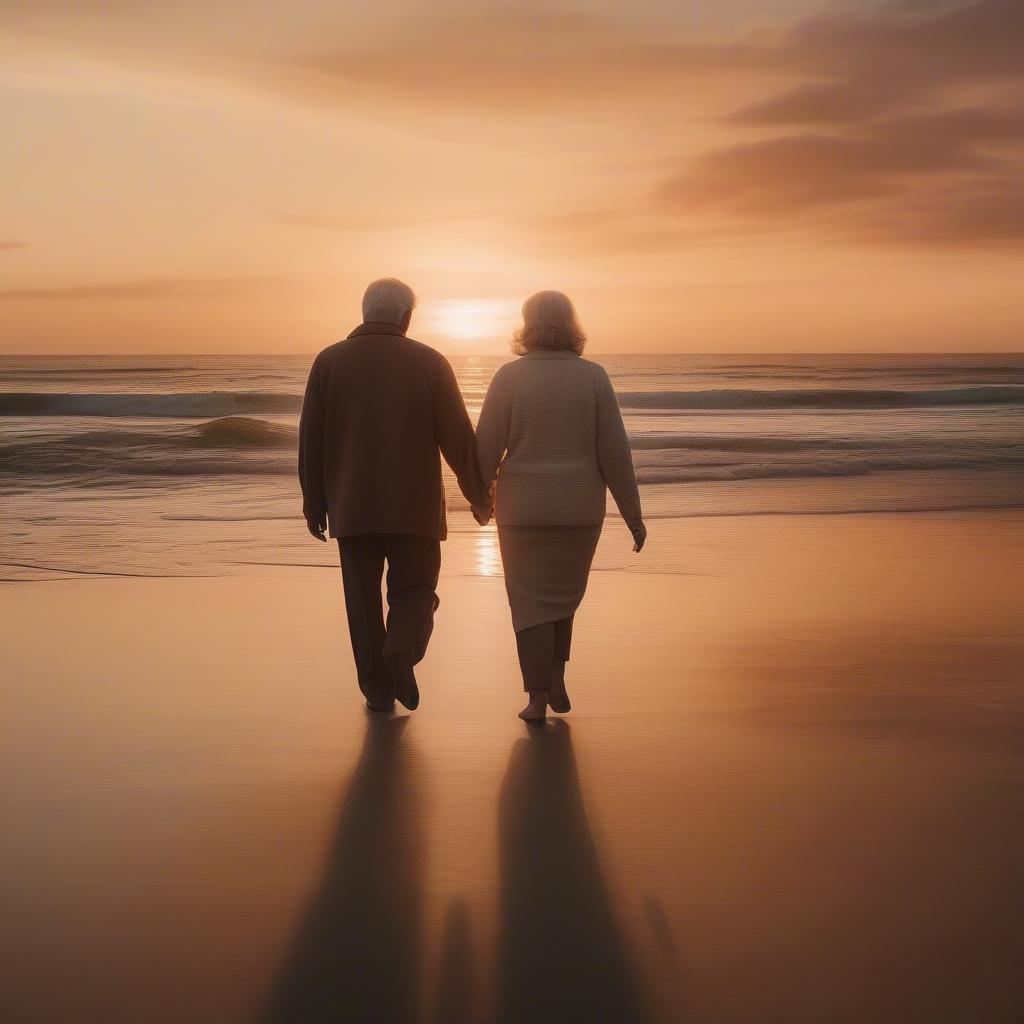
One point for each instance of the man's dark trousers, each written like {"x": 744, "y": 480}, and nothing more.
{"x": 413, "y": 564}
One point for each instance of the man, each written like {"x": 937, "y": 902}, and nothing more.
{"x": 379, "y": 411}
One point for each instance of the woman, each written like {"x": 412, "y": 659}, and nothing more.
{"x": 551, "y": 435}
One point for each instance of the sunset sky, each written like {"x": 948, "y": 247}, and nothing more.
{"x": 735, "y": 175}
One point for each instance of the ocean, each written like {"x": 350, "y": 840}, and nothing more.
{"x": 185, "y": 465}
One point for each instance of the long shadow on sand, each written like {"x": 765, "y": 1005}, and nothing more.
{"x": 356, "y": 957}
{"x": 560, "y": 955}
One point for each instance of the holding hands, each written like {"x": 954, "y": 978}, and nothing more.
{"x": 483, "y": 514}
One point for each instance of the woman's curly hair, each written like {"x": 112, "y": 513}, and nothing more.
{"x": 550, "y": 324}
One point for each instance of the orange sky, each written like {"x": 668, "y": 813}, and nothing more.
{"x": 731, "y": 176}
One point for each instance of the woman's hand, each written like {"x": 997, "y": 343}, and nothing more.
{"x": 639, "y": 537}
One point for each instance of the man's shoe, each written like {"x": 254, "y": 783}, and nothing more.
{"x": 399, "y": 662}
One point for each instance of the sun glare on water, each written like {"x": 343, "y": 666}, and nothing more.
{"x": 474, "y": 319}
{"x": 488, "y": 554}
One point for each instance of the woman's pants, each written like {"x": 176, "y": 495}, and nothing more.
{"x": 543, "y": 652}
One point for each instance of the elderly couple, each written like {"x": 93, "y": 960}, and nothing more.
{"x": 379, "y": 411}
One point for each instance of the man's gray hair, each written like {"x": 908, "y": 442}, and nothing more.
{"x": 387, "y": 301}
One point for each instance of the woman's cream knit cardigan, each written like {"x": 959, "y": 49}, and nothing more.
{"x": 551, "y": 434}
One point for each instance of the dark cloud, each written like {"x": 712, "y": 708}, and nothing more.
{"x": 867, "y": 64}
{"x": 893, "y": 144}
{"x": 987, "y": 215}
{"x": 792, "y": 173}
{"x": 778, "y": 176}
{"x": 930, "y": 42}
{"x": 819, "y": 103}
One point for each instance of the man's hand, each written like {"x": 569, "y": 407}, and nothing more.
{"x": 317, "y": 526}
{"x": 639, "y": 537}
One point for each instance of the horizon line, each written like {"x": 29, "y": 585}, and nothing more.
{"x": 723, "y": 352}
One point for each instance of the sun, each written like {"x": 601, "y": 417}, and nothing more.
{"x": 473, "y": 319}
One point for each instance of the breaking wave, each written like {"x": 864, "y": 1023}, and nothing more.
{"x": 233, "y": 445}
{"x": 243, "y": 432}
{"x": 244, "y": 445}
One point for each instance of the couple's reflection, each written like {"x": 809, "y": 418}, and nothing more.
{"x": 357, "y": 956}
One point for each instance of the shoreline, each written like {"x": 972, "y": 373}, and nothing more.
{"x": 465, "y": 535}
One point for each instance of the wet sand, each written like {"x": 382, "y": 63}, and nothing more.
{"x": 791, "y": 789}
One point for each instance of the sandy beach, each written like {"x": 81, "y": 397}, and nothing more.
{"x": 790, "y": 789}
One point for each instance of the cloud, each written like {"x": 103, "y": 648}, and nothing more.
{"x": 776, "y": 177}
{"x": 10, "y": 244}
{"x": 179, "y": 288}
{"x": 609, "y": 230}
{"x": 396, "y": 221}
{"x": 791, "y": 173}
{"x": 866, "y": 64}
{"x": 819, "y": 103}
{"x": 518, "y": 60}
{"x": 867, "y": 112}
{"x": 924, "y": 42}
{"x": 988, "y": 216}
{"x": 522, "y": 55}
{"x": 893, "y": 99}
{"x": 881, "y": 131}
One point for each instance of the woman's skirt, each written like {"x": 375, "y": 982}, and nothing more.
{"x": 546, "y": 570}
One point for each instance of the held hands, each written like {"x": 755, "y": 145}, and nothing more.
{"x": 317, "y": 526}
{"x": 484, "y": 513}
{"x": 639, "y": 537}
